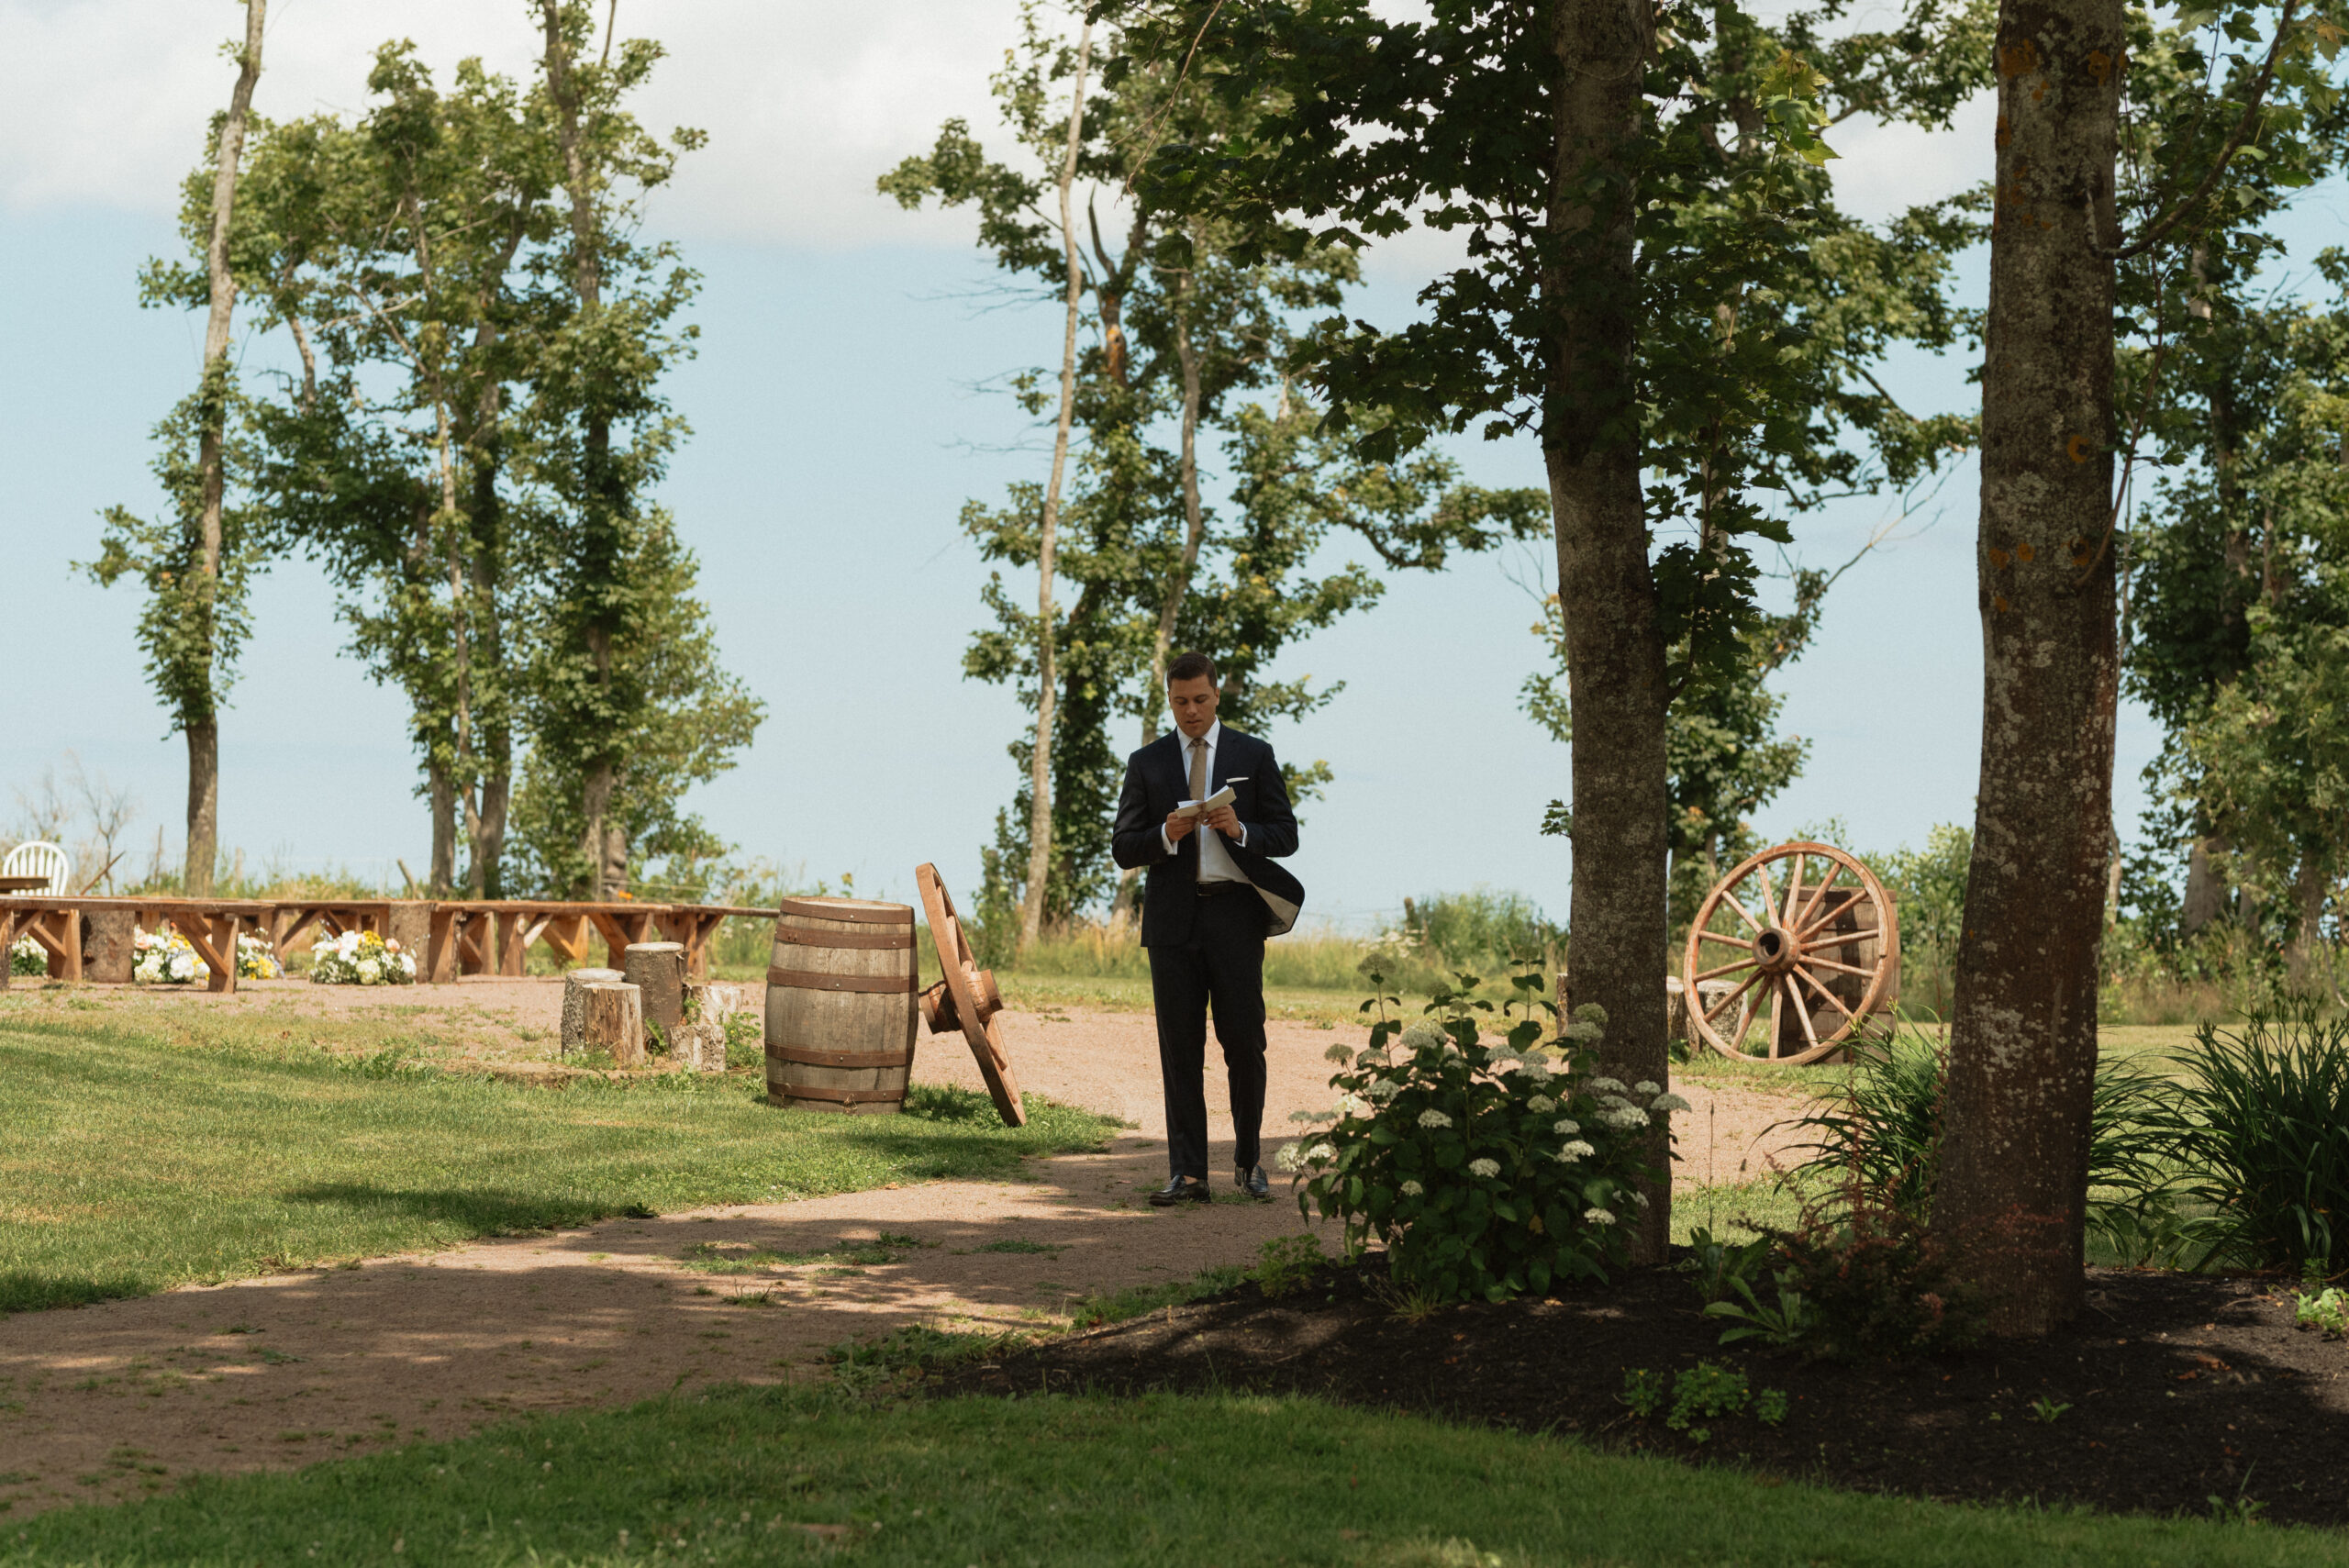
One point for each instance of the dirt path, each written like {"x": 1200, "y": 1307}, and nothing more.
{"x": 110, "y": 1401}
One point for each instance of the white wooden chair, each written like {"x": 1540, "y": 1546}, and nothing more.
{"x": 39, "y": 858}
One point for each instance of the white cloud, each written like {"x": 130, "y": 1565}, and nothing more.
{"x": 806, "y": 103}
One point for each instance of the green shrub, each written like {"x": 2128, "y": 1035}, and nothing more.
{"x": 2265, "y": 1134}
{"x": 1486, "y": 1170}
{"x": 1286, "y": 1264}
{"x": 1882, "y": 1137}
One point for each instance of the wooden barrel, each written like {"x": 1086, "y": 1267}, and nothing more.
{"x": 840, "y": 1004}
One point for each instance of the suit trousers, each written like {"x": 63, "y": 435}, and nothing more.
{"x": 1223, "y": 962}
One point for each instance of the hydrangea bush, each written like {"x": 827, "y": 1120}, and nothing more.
{"x": 361, "y": 958}
{"x": 1486, "y": 1170}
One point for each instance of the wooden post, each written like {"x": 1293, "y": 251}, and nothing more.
{"x": 615, "y": 1021}
{"x": 659, "y": 968}
{"x": 575, "y": 1003}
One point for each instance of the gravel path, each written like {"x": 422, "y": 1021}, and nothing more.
{"x": 110, "y": 1401}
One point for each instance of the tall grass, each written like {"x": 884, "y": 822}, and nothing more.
{"x": 2265, "y": 1138}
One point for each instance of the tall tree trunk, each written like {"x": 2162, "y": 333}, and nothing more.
{"x": 440, "y": 877}
{"x": 2206, "y": 892}
{"x": 203, "y": 727}
{"x": 1615, "y": 654}
{"x": 600, "y": 482}
{"x": 1040, "y": 775}
{"x": 2022, "y": 1040}
{"x": 2311, "y": 890}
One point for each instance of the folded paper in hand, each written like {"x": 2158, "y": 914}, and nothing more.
{"x": 1201, "y": 808}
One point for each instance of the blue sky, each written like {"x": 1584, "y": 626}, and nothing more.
{"x": 839, "y": 421}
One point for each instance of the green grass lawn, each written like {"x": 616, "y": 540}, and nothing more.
{"x": 144, "y": 1149}
{"x": 769, "y": 1475}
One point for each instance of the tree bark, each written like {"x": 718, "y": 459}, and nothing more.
{"x": 441, "y": 876}
{"x": 1040, "y": 775}
{"x": 203, "y": 805}
{"x": 2022, "y": 1041}
{"x": 1615, "y": 654}
{"x": 2206, "y": 892}
{"x": 203, "y": 728}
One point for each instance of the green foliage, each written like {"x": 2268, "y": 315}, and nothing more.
{"x": 1875, "y": 1281}
{"x": 1705, "y": 1392}
{"x": 2326, "y": 1310}
{"x": 1286, "y": 1264}
{"x": 1781, "y": 1322}
{"x": 1480, "y": 928}
{"x": 1880, "y": 1136}
{"x": 1929, "y": 888}
{"x": 2263, "y": 1140}
{"x": 1486, "y": 1169}
{"x": 193, "y": 624}
{"x": 1718, "y": 1264}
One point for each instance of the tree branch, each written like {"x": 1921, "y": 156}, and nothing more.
{"x": 2251, "y": 111}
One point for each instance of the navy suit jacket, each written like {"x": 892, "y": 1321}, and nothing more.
{"x": 1157, "y": 781}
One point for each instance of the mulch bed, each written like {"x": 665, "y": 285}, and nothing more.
{"x": 2180, "y": 1388}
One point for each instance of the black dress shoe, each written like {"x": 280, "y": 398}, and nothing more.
{"x": 1180, "y": 1189}
{"x": 1253, "y": 1182}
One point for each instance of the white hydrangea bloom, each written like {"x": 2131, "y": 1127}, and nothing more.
{"x": 1647, "y": 1086}
{"x": 1597, "y": 1216}
{"x": 1353, "y": 1105}
{"x": 1434, "y": 1119}
{"x": 1580, "y": 1032}
{"x": 1418, "y": 1037}
{"x": 1613, "y": 1102}
{"x": 1605, "y": 1087}
{"x": 1626, "y": 1118}
{"x": 1566, "y": 1126}
{"x": 1541, "y": 1104}
{"x": 1577, "y": 1150}
{"x": 1486, "y": 1168}
{"x": 1667, "y": 1103}
{"x": 1305, "y": 1116}
{"x": 1288, "y": 1159}
{"x": 1641, "y": 1198}
{"x": 1340, "y": 1052}
{"x": 1412, "y": 1189}
{"x": 1384, "y": 1089}
{"x": 1320, "y": 1155}
{"x": 1591, "y": 1013}
{"x": 1539, "y": 1070}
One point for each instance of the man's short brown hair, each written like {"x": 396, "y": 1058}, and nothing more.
{"x": 1191, "y": 667}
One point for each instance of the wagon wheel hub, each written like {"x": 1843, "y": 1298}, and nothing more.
{"x": 1775, "y": 950}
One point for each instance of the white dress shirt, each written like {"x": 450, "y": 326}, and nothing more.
{"x": 1216, "y": 863}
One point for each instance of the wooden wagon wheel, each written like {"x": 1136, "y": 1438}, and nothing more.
{"x": 967, "y": 998}
{"x": 1820, "y": 944}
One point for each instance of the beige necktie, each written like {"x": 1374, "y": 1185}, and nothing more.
{"x": 1199, "y": 791}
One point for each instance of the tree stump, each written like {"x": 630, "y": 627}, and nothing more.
{"x": 107, "y": 952}
{"x": 658, "y": 970}
{"x": 575, "y": 1003}
{"x": 615, "y": 1022}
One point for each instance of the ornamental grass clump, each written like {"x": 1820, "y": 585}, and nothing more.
{"x": 1486, "y": 1169}
{"x": 2265, "y": 1137}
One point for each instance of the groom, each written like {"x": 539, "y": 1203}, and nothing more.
{"x": 1211, "y": 897}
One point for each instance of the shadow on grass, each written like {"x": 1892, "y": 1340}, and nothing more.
{"x": 21, "y": 1290}
{"x": 485, "y": 1212}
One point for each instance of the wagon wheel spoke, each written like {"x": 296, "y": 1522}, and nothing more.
{"x": 1730, "y": 899}
{"x": 1807, "y": 932}
{"x": 1729, "y": 936}
{"x": 1769, "y": 898}
{"x": 1729, "y": 968}
{"x": 1812, "y": 982}
{"x": 1725, "y": 1001}
{"x": 1794, "y": 889}
{"x": 1840, "y": 968}
{"x": 1793, "y": 999}
{"x": 1817, "y": 899}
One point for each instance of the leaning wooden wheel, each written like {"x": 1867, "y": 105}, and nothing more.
{"x": 1801, "y": 936}
{"x": 967, "y": 998}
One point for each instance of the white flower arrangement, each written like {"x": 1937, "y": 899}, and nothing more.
{"x": 1566, "y": 1126}
{"x": 1541, "y": 1104}
{"x": 164, "y": 957}
{"x": 361, "y": 958}
{"x": 1607, "y": 1085}
{"x": 1574, "y": 1150}
{"x": 1597, "y": 1216}
{"x": 1434, "y": 1119}
{"x": 1288, "y": 1158}
{"x": 28, "y": 957}
{"x": 1624, "y": 1117}
{"x": 1485, "y": 1168}
{"x": 1645, "y": 1087}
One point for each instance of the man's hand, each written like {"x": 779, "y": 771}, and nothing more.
{"x": 1180, "y": 826}
{"x": 1225, "y": 820}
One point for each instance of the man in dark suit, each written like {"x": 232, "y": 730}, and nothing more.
{"x": 1211, "y": 897}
